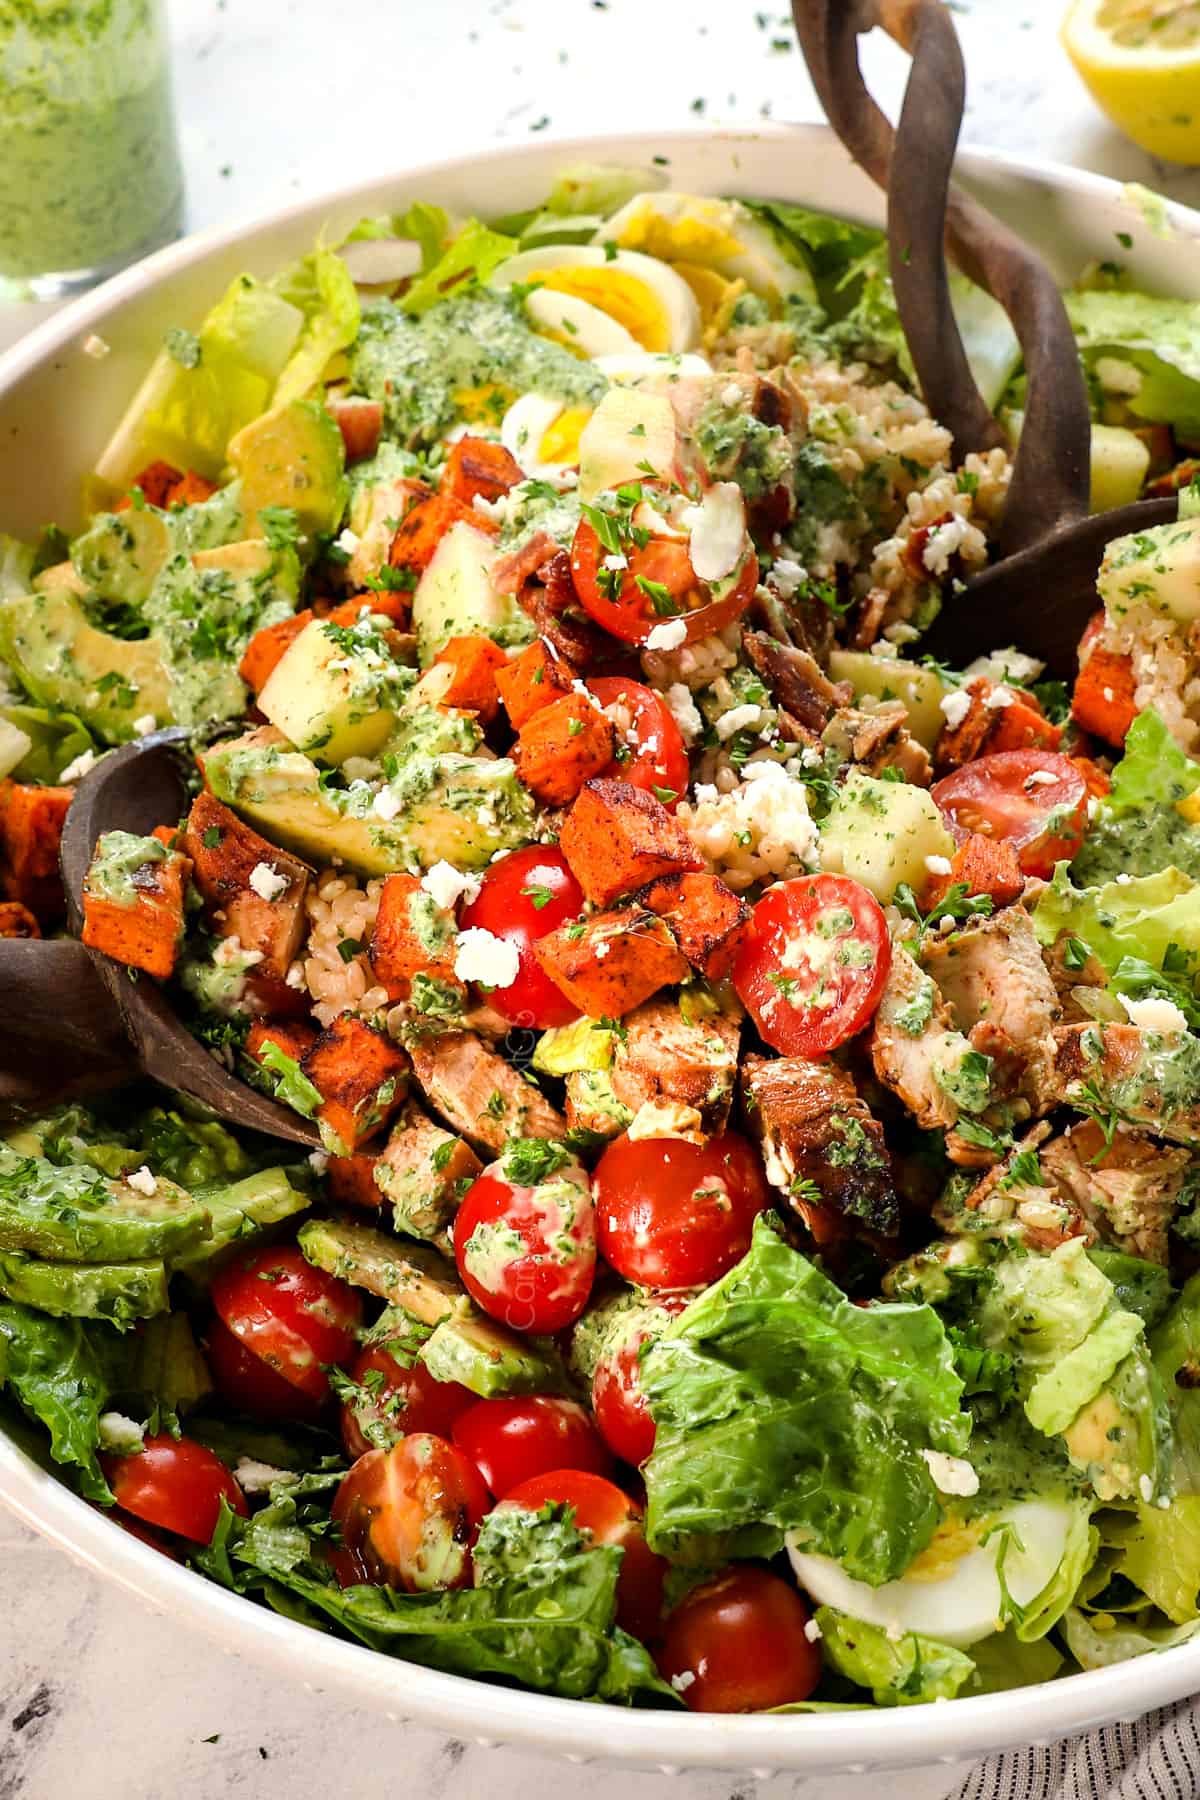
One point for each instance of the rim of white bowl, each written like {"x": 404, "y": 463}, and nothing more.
{"x": 762, "y": 1744}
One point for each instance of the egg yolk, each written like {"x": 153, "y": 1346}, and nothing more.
{"x": 712, "y": 291}
{"x": 624, "y": 297}
{"x": 485, "y": 405}
{"x": 560, "y": 442}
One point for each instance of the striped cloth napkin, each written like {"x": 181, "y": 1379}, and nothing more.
{"x": 1155, "y": 1758}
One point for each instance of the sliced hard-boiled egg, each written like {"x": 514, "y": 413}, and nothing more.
{"x": 577, "y": 325}
{"x": 703, "y": 232}
{"x": 542, "y": 434}
{"x": 646, "y": 368}
{"x": 654, "y": 304}
{"x": 952, "y": 1591}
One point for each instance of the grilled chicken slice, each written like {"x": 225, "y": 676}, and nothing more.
{"x": 913, "y": 1043}
{"x": 821, "y": 1144}
{"x": 1008, "y": 1203}
{"x": 1128, "y": 1190}
{"x": 481, "y": 1095}
{"x": 879, "y": 740}
{"x": 1128, "y": 1075}
{"x": 993, "y": 978}
{"x": 1067, "y": 979}
{"x": 796, "y": 681}
{"x": 661, "y": 1059}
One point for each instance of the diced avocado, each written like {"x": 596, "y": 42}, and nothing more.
{"x": 1158, "y": 568}
{"x": 1119, "y": 463}
{"x": 431, "y": 730}
{"x": 74, "y": 1214}
{"x": 333, "y": 691}
{"x": 456, "y": 596}
{"x": 167, "y": 1363}
{"x": 880, "y": 833}
{"x": 630, "y": 433}
{"x": 1122, "y": 1440}
{"x": 410, "y": 1276}
{"x": 594, "y": 1105}
{"x": 64, "y": 661}
{"x": 489, "y": 1359}
{"x": 119, "y": 1291}
{"x": 203, "y": 612}
{"x": 120, "y": 554}
{"x": 891, "y": 678}
{"x": 241, "y": 1213}
{"x": 15, "y": 746}
{"x": 448, "y": 808}
{"x": 565, "y": 1049}
{"x": 293, "y": 457}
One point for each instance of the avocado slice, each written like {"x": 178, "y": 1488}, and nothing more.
{"x": 75, "y": 1214}
{"x": 446, "y": 807}
{"x": 294, "y": 457}
{"x": 410, "y": 1276}
{"x": 241, "y": 1213}
{"x": 120, "y": 554}
{"x": 118, "y": 1291}
{"x": 64, "y": 661}
{"x": 489, "y": 1359}
{"x": 167, "y": 1364}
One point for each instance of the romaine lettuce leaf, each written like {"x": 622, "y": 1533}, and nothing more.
{"x": 1138, "y": 828}
{"x": 1143, "y": 1287}
{"x": 1159, "y": 338}
{"x": 58, "y": 1371}
{"x": 469, "y": 261}
{"x": 541, "y": 1613}
{"x": 1140, "y": 918}
{"x": 1153, "y": 770}
{"x": 1160, "y": 1554}
{"x": 1002, "y": 1662}
{"x": 425, "y": 225}
{"x": 321, "y": 287}
{"x": 1096, "y": 1648}
{"x": 583, "y": 197}
{"x": 1175, "y": 1347}
{"x": 781, "y": 1406}
{"x": 901, "y": 1671}
{"x": 56, "y": 737}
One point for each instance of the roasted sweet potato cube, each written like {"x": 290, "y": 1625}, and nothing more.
{"x": 479, "y": 466}
{"x": 192, "y": 489}
{"x": 295, "y": 1037}
{"x": 413, "y": 935}
{"x": 987, "y": 866}
{"x": 476, "y": 661}
{"x": 617, "y": 838}
{"x": 610, "y": 963}
{"x": 146, "y": 931}
{"x": 424, "y": 1171}
{"x": 561, "y": 747}
{"x": 253, "y": 890}
{"x": 423, "y": 527}
{"x": 267, "y": 646}
{"x": 1104, "y": 701}
{"x": 1021, "y": 726}
{"x": 705, "y": 916}
{"x": 31, "y": 824}
{"x": 351, "y": 1180}
{"x": 16, "y": 921}
{"x": 361, "y": 1076}
{"x": 533, "y": 680}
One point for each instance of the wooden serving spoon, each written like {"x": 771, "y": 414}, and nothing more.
{"x": 1041, "y": 592}
{"x": 134, "y": 789}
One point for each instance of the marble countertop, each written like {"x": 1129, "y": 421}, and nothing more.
{"x": 279, "y": 98}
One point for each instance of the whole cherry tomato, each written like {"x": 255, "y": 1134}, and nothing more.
{"x": 672, "y": 1214}
{"x": 408, "y": 1516}
{"x": 511, "y": 1439}
{"x": 609, "y": 1517}
{"x": 291, "y": 1316}
{"x": 739, "y": 1643}
{"x": 526, "y": 1251}
{"x": 174, "y": 1483}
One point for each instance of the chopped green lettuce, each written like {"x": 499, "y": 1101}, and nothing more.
{"x": 780, "y": 1406}
{"x": 423, "y": 224}
{"x": 899, "y": 1671}
{"x": 56, "y": 738}
{"x": 1141, "y": 918}
{"x": 1160, "y": 1554}
{"x": 1158, "y": 338}
{"x": 1002, "y": 1662}
{"x": 1099, "y": 1642}
{"x": 473, "y": 256}
{"x": 321, "y": 287}
{"x": 582, "y": 198}
{"x": 1138, "y": 829}
{"x": 58, "y": 1372}
{"x": 1175, "y": 1347}
{"x": 1142, "y": 1287}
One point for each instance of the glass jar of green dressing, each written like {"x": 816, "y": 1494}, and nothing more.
{"x": 89, "y": 165}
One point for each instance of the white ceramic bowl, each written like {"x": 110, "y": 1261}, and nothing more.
{"x": 57, "y": 407}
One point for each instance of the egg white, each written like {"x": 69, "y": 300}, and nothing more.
{"x": 587, "y": 330}
{"x": 710, "y": 233}
{"x": 648, "y": 368}
{"x": 645, "y": 295}
{"x": 522, "y": 430}
{"x": 953, "y": 1598}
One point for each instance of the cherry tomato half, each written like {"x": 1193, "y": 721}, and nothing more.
{"x": 251, "y": 1386}
{"x": 813, "y": 963}
{"x": 671, "y": 1214}
{"x": 174, "y": 1483}
{"x": 1034, "y": 800}
{"x": 618, "y": 1403}
{"x": 657, "y": 759}
{"x": 523, "y": 897}
{"x": 737, "y": 1644}
{"x": 394, "y": 1400}
{"x": 611, "y": 1517}
{"x": 512, "y": 1439}
{"x": 293, "y": 1317}
{"x": 409, "y": 1516}
{"x": 657, "y": 581}
{"x": 527, "y": 1255}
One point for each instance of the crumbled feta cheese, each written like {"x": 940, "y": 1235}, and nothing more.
{"x": 942, "y": 543}
{"x": 955, "y": 706}
{"x": 318, "y": 1162}
{"x": 950, "y": 1474}
{"x": 79, "y": 767}
{"x": 229, "y": 951}
{"x": 683, "y": 1681}
{"x": 96, "y": 347}
{"x": 731, "y": 395}
{"x": 120, "y": 1435}
{"x": 1093, "y": 807}
{"x": 1108, "y": 694}
{"x": 939, "y": 865}
{"x": 259, "y": 1477}
{"x": 684, "y": 711}
{"x": 1000, "y": 697}
{"x": 718, "y": 528}
{"x": 787, "y": 575}
{"x": 295, "y": 976}
{"x": 143, "y": 726}
{"x": 884, "y": 650}
{"x": 348, "y": 541}
{"x": 481, "y": 956}
{"x": 810, "y": 757}
{"x": 602, "y": 949}
{"x": 1006, "y": 665}
{"x": 142, "y": 1181}
{"x": 1154, "y": 1014}
{"x": 813, "y": 1632}
{"x": 447, "y": 885}
{"x": 1145, "y": 1488}
{"x": 498, "y": 511}
{"x": 901, "y": 633}
{"x": 616, "y": 562}
{"x": 386, "y": 804}
{"x": 738, "y": 718}
{"x": 1039, "y": 778}
{"x": 667, "y": 636}
{"x": 267, "y": 882}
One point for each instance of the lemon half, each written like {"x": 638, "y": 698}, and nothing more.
{"x": 1140, "y": 60}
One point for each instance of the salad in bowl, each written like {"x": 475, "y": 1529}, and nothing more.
{"x": 750, "y": 1261}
